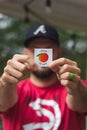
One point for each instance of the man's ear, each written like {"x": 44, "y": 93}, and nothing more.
{"x": 26, "y": 51}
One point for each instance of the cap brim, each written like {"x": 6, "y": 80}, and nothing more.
{"x": 27, "y": 41}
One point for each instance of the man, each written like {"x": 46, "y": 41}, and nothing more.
{"x": 52, "y": 98}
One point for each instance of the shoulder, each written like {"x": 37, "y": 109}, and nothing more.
{"x": 23, "y": 86}
{"x": 84, "y": 82}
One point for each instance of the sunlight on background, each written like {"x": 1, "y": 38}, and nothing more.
{"x": 4, "y": 21}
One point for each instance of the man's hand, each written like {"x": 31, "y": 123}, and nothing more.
{"x": 63, "y": 68}
{"x": 76, "y": 92}
{"x": 16, "y": 68}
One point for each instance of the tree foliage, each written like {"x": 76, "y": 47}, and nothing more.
{"x": 12, "y": 37}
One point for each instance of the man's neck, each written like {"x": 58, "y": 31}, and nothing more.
{"x": 43, "y": 82}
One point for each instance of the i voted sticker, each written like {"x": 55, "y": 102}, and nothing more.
{"x": 43, "y": 57}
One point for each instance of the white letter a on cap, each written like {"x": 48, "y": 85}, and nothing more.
{"x": 40, "y": 29}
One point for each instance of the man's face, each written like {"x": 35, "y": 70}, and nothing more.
{"x": 43, "y": 72}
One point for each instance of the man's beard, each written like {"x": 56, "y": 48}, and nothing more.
{"x": 43, "y": 74}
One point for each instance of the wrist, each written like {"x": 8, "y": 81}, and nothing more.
{"x": 76, "y": 89}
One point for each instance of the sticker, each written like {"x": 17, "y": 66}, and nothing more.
{"x": 43, "y": 57}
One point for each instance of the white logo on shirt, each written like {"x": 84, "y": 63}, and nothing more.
{"x": 54, "y": 118}
{"x": 40, "y": 29}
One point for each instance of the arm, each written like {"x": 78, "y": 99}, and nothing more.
{"x": 8, "y": 95}
{"x": 15, "y": 69}
{"x": 78, "y": 101}
{"x": 76, "y": 92}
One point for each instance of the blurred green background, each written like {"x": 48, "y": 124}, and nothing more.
{"x": 12, "y": 34}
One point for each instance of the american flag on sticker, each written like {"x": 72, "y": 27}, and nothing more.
{"x": 43, "y": 57}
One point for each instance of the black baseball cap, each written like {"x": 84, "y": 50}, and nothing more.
{"x": 42, "y": 30}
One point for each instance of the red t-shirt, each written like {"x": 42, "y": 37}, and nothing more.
{"x": 42, "y": 109}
